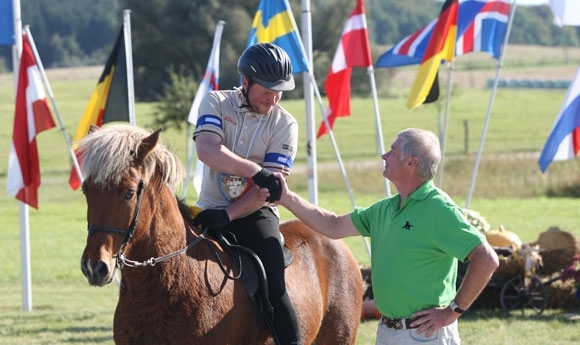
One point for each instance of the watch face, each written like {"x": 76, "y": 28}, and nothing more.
{"x": 453, "y": 305}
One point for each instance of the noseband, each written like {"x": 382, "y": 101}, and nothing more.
{"x": 128, "y": 233}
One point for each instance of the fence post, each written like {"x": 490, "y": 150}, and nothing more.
{"x": 466, "y": 135}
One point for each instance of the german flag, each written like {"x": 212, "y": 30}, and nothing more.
{"x": 109, "y": 102}
{"x": 440, "y": 47}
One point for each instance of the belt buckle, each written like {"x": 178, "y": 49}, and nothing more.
{"x": 396, "y": 323}
{"x": 393, "y": 323}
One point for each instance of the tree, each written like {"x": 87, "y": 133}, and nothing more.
{"x": 180, "y": 33}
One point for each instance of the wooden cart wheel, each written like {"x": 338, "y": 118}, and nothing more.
{"x": 515, "y": 294}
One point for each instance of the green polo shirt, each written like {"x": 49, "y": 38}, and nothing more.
{"x": 415, "y": 249}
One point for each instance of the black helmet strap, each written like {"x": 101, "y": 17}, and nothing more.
{"x": 245, "y": 94}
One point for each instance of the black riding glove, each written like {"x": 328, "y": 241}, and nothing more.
{"x": 213, "y": 219}
{"x": 265, "y": 179}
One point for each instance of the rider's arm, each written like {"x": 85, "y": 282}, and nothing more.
{"x": 247, "y": 204}
{"x": 218, "y": 157}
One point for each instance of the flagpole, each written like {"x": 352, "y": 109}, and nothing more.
{"x": 190, "y": 147}
{"x": 338, "y": 157}
{"x": 380, "y": 140}
{"x": 53, "y": 101}
{"x": 17, "y": 47}
{"x": 443, "y": 138}
{"x": 487, "y": 117}
{"x": 129, "y": 60}
{"x": 311, "y": 158}
{"x": 23, "y": 209}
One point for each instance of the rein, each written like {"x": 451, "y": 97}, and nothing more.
{"x": 121, "y": 259}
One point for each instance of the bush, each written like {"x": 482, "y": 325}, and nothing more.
{"x": 175, "y": 102}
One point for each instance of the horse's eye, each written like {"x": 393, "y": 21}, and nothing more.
{"x": 129, "y": 194}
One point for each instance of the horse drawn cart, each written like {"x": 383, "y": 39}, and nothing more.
{"x": 516, "y": 281}
{"x": 526, "y": 271}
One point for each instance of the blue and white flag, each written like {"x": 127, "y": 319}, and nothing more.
{"x": 564, "y": 140}
{"x": 482, "y": 26}
{"x": 7, "y": 22}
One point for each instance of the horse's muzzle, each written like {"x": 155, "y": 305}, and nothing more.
{"x": 98, "y": 275}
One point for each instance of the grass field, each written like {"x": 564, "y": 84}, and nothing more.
{"x": 509, "y": 190}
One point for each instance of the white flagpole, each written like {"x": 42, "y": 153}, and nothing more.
{"x": 380, "y": 140}
{"x": 311, "y": 159}
{"x": 23, "y": 208}
{"x": 52, "y": 101}
{"x": 25, "y": 257}
{"x": 443, "y": 131}
{"x": 487, "y": 117}
{"x": 129, "y": 60}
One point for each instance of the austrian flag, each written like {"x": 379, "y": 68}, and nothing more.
{"x": 353, "y": 51}
{"x": 31, "y": 116}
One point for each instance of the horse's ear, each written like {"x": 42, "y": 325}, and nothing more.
{"x": 148, "y": 144}
{"x": 93, "y": 128}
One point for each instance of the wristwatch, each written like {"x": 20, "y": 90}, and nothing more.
{"x": 454, "y": 307}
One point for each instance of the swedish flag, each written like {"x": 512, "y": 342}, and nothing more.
{"x": 274, "y": 23}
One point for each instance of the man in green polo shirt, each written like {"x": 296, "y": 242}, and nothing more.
{"x": 417, "y": 237}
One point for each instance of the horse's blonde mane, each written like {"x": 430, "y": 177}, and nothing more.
{"x": 108, "y": 153}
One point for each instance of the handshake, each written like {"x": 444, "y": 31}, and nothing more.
{"x": 265, "y": 179}
{"x": 218, "y": 219}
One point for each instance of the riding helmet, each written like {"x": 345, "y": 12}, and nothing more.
{"x": 268, "y": 65}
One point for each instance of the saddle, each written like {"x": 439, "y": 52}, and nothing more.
{"x": 251, "y": 271}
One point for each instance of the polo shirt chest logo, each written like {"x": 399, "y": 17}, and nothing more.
{"x": 407, "y": 226}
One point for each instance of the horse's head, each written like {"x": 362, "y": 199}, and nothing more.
{"x": 124, "y": 166}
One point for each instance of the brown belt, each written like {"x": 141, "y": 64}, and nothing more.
{"x": 398, "y": 323}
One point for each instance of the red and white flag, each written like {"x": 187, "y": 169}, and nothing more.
{"x": 31, "y": 116}
{"x": 353, "y": 51}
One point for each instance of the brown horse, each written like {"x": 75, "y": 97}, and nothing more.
{"x": 174, "y": 287}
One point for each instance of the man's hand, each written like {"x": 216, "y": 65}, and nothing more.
{"x": 265, "y": 179}
{"x": 214, "y": 219}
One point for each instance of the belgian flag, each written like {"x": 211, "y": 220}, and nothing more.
{"x": 441, "y": 47}
{"x": 109, "y": 102}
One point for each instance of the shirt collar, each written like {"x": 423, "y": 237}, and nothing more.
{"x": 425, "y": 189}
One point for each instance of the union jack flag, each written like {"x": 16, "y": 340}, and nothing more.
{"x": 481, "y": 26}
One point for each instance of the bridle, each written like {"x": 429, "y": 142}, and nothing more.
{"x": 121, "y": 260}
{"x": 128, "y": 233}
